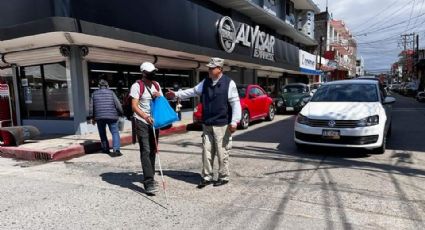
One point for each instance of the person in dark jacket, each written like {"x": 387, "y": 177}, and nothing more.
{"x": 105, "y": 109}
{"x": 221, "y": 111}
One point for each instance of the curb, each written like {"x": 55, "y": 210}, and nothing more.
{"x": 73, "y": 150}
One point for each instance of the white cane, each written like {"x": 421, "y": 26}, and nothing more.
{"x": 159, "y": 163}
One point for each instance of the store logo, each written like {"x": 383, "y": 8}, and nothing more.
{"x": 261, "y": 42}
{"x": 227, "y": 33}
{"x": 308, "y": 62}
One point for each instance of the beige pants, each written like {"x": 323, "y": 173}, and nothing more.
{"x": 216, "y": 140}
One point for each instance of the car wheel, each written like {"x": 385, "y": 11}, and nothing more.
{"x": 245, "y": 119}
{"x": 271, "y": 114}
{"x": 381, "y": 150}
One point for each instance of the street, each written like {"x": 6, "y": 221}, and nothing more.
{"x": 273, "y": 185}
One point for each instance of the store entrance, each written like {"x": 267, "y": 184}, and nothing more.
{"x": 121, "y": 77}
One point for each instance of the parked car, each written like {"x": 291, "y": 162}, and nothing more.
{"x": 411, "y": 89}
{"x": 348, "y": 113}
{"x": 255, "y": 103}
{"x": 420, "y": 96}
{"x": 293, "y": 98}
{"x": 315, "y": 86}
{"x": 394, "y": 87}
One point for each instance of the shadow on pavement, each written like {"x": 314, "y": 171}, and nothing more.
{"x": 127, "y": 180}
{"x": 188, "y": 177}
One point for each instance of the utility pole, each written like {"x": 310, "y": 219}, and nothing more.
{"x": 408, "y": 42}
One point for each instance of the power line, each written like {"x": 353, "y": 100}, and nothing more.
{"x": 390, "y": 26}
{"x": 420, "y": 9}
{"x": 393, "y": 13}
{"x": 379, "y": 13}
{"x": 410, "y": 17}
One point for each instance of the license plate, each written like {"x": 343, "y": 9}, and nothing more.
{"x": 289, "y": 108}
{"x": 331, "y": 134}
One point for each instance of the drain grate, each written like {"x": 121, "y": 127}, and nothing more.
{"x": 42, "y": 156}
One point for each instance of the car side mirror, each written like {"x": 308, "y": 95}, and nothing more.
{"x": 389, "y": 100}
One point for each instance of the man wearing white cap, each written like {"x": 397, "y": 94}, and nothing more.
{"x": 143, "y": 92}
{"x": 221, "y": 112}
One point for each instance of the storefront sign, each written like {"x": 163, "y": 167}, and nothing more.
{"x": 246, "y": 35}
{"x": 307, "y": 60}
{"x": 4, "y": 90}
{"x": 308, "y": 63}
{"x": 5, "y": 103}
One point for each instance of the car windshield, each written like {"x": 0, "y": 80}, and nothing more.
{"x": 241, "y": 91}
{"x": 293, "y": 89}
{"x": 346, "y": 93}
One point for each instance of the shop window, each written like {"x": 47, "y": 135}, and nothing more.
{"x": 121, "y": 77}
{"x": 58, "y": 94}
{"x": 44, "y": 92}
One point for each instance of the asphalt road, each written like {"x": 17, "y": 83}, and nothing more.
{"x": 273, "y": 185}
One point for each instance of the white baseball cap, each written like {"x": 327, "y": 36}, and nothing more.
{"x": 148, "y": 67}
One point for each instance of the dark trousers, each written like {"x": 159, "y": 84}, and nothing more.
{"x": 147, "y": 145}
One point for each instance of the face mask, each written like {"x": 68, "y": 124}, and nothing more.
{"x": 150, "y": 76}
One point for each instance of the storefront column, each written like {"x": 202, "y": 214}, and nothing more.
{"x": 78, "y": 94}
{"x": 15, "y": 89}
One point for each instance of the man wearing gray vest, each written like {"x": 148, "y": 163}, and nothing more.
{"x": 221, "y": 112}
{"x": 105, "y": 109}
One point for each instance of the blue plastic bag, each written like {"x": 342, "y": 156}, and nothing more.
{"x": 162, "y": 113}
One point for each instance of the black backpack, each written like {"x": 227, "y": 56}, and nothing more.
{"x": 128, "y": 110}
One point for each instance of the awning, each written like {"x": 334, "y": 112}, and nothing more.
{"x": 35, "y": 56}
{"x": 310, "y": 71}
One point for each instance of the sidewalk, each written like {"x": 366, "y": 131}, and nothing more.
{"x": 53, "y": 148}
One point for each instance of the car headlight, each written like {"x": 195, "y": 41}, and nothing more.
{"x": 368, "y": 121}
{"x": 302, "y": 119}
{"x": 279, "y": 103}
{"x": 304, "y": 101}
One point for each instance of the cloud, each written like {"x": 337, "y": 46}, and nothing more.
{"x": 372, "y": 23}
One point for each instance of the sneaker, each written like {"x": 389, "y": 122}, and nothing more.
{"x": 117, "y": 153}
{"x": 204, "y": 183}
{"x": 151, "y": 189}
{"x": 106, "y": 151}
{"x": 220, "y": 182}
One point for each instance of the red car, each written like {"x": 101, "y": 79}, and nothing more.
{"x": 255, "y": 103}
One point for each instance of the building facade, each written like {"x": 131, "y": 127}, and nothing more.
{"x": 337, "y": 45}
{"x": 360, "y": 67}
{"x": 53, "y": 57}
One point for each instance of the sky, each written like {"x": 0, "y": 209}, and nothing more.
{"x": 377, "y": 26}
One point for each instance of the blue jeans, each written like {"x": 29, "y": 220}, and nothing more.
{"x": 113, "y": 128}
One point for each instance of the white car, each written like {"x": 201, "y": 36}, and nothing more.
{"x": 348, "y": 113}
